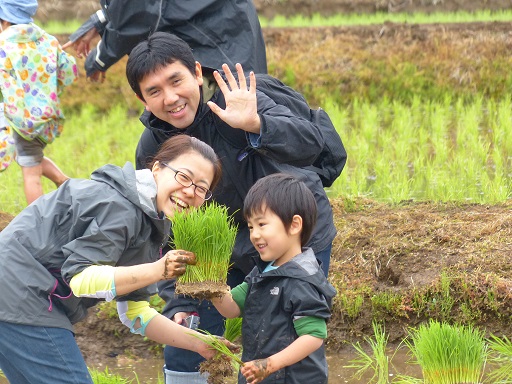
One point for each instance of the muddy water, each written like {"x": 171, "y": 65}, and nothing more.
{"x": 148, "y": 371}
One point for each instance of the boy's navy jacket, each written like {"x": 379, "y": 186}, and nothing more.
{"x": 289, "y": 144}
{"x": 274, "y": 300}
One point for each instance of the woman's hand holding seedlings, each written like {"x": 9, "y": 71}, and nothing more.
{"x": 175, "y": 263}
{"x": 255, "y": 371}
{"x": 209, "y": 352}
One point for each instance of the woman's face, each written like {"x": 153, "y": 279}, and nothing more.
{"x": 171, "y": 196}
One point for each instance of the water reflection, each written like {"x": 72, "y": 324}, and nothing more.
{"x": 148, "y": 371}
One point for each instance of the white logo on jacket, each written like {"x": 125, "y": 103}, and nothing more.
{"x": 274, "y": 291}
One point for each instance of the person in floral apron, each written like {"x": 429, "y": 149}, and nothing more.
{"x": 33, "y": 72}
{"x": 7, "y": 150}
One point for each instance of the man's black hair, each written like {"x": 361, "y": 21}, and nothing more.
{"x": 159, "y": 50}
{"x": 285, "y": 196}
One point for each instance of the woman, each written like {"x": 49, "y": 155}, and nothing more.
{"x": 97, "y": 239}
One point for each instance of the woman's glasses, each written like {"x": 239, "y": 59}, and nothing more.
{"x": 183, "y": 179}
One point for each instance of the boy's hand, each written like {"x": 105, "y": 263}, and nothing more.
{"x": 255, "y": 371}
{"x": 241, "y": 104}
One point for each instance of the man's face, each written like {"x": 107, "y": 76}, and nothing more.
{"x": 172, "y": 93}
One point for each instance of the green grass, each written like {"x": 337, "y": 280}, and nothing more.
{"x": 210, "y": 233}
{"x": 500, "y": 358}
{"x": 65, "y": 27}
{"x": 380, "y": 17}
{"x": 233, "y": 329}
{"x": 106, "y": 377}
{"x": 56, "y": 27}
{"x": 438, "y": 151}
{"x": 451, "y": 150}
{"x": 376, "y": 361}
{"x": 89, "y": 141}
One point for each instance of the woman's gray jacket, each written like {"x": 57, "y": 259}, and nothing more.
{"x": 84, "y": 222}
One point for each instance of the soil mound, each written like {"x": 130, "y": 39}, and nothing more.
{"x": 5, "y": 219}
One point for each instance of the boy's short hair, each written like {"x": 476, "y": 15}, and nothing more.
{"x": 285, "y": 196}
{"x": 158, "y": 51}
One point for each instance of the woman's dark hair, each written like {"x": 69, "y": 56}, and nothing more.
{"x": 159, "y": 50}
{"x": 285, "y": 196}
{"x": 178, "y": 145}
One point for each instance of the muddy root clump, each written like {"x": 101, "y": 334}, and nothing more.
{"x": 204, "y": 290}
{"x": 218, "y": 368}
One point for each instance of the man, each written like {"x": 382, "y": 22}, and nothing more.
{"x": 253, "y": 137}
{"x": 217, "y": 31}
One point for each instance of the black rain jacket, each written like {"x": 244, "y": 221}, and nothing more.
{"x": 274, "y": 300}
{"x": 288, "y": 143}
{"x": 218, "y": 31}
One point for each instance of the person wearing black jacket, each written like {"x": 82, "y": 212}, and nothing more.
{"x": 253, "y": 137}
{"x": 218, "y": 31}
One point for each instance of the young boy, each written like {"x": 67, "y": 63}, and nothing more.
{"x": 285, "y": 300}
{"x": 33, "y": 72}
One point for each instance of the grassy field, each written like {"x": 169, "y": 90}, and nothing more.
{"x": 438, "y": 151}
{"x": 69, "y": 26}
{"x": 89, "y": 140}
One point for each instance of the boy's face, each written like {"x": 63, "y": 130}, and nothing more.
{"x": 172, "y": 93}
{"x": 271, "y": 239}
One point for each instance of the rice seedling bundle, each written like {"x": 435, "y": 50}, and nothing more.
{"x": 223, "y": 365}
{"x": 209, "y": 232}
{"x": 500, "y": 358}
{"x": 449, "y": 354}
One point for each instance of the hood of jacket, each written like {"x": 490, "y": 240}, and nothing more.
{"x": 138, "y": 187}
{"x": 22, "y": 33}
{"x": 304, "y": 267}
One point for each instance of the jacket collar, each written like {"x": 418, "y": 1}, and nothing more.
{"x": 303, "y": 265}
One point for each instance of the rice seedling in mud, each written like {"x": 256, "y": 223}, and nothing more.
{"x": 223, "y": 365}
{"x": 376, "y": 361}
{"x": 448, "y": 354}
{"x": 500, "y": 360}
{"x": 107, "y": 377}
{"x": 210, "y": 233}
